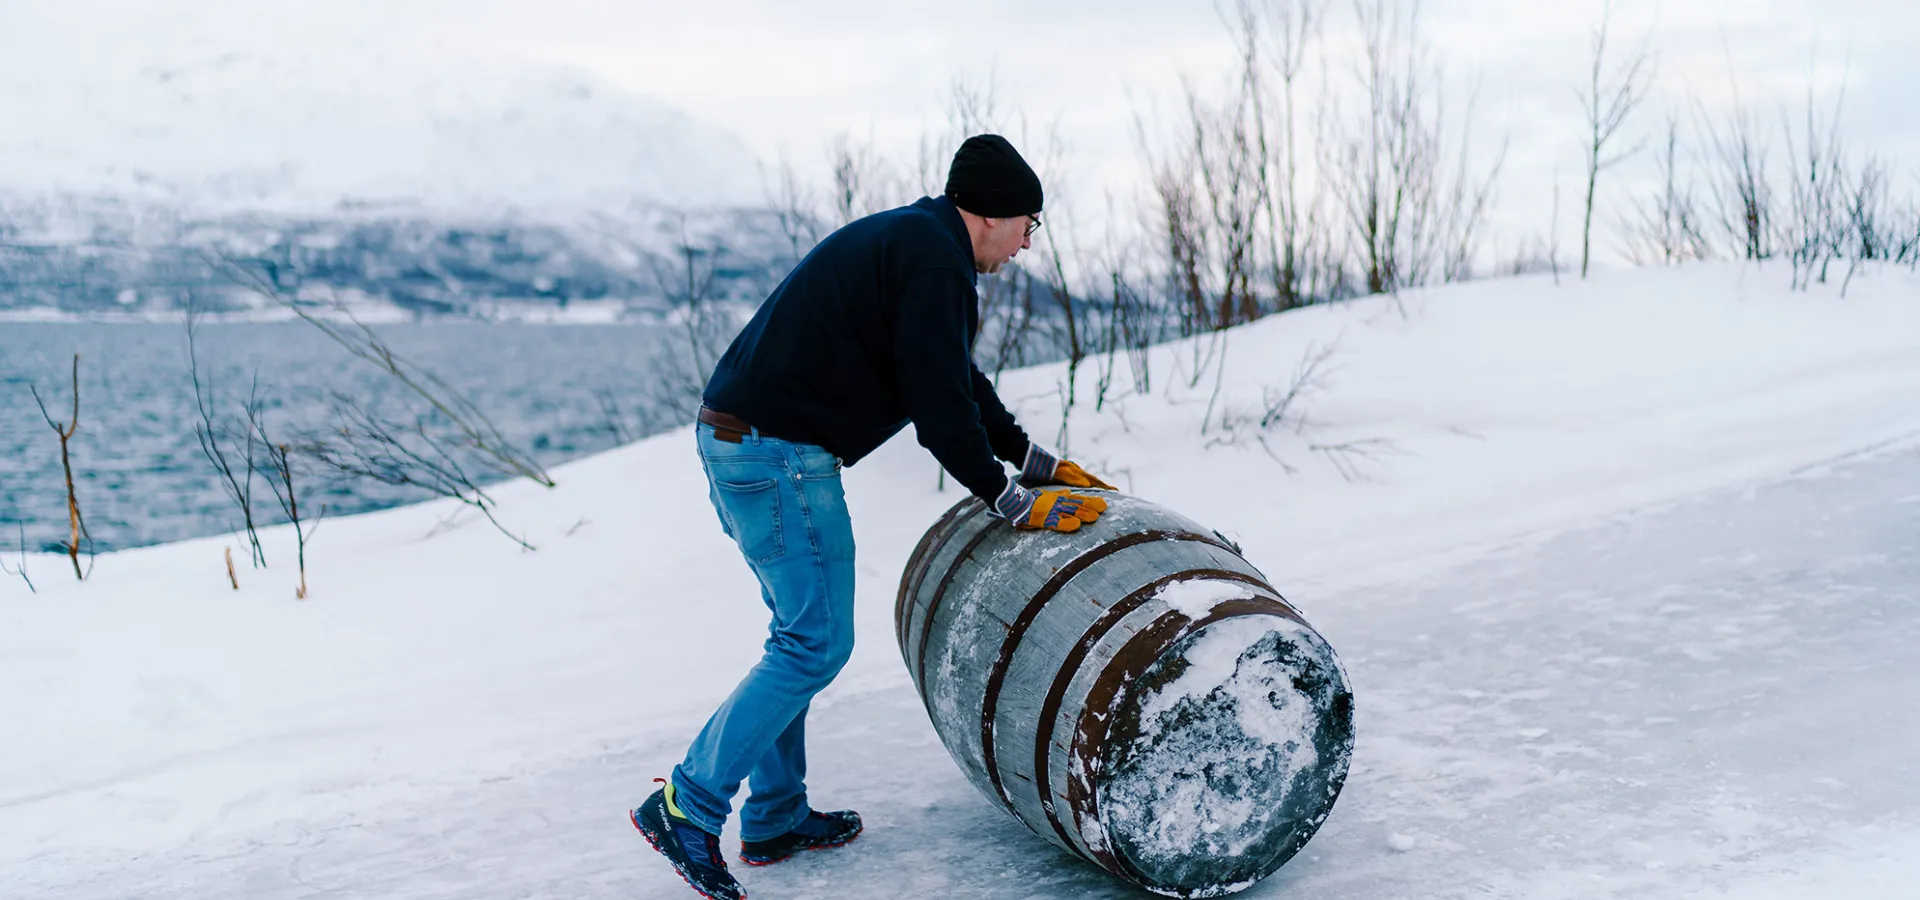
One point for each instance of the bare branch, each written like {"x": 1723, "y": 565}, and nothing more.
{"x": 209, "y": 433}
{"x": 477, "y": 432}
{"x": 1351, "y": 457}
{"x": 21, "y": 569}
{"x": 76, "y": 523}
{"x": 363, "y": 444}
{"x": 1609, "y": 98}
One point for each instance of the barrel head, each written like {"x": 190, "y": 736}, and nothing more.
{"x": 1221, "y": 759}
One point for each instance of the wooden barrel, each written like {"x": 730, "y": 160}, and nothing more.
{"x": 1134, "y": 692}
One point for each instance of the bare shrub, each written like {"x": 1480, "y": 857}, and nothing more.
{"x": 368, "y": 444}
{"x": 1296, "y": 235}
{"x": 446, "y": 447}
{"x": 283, "y": 463}
{"x": 1813, "y": 231}
{"x": 1610, "y": 96}
{"x": 216, "y": 436}
{"x": 1904, "y": 232}
{"x": 1667, "y": 227}
{"x": 1412, "y": 206}
{"x": 20, "y": 569}
{"x": 76, "y": 523}
{"x": 1740, "y": 187}
{"x": 795, "y": 208}
{"x": 1868, "y": 219}
{"x": 464, "y": 424}
{"x": 863, "y": 181}
{"x": 1283, "y": 406}
{"x": 703, "y": 325}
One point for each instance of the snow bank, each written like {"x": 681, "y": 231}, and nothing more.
{"x": 154, "y": 707}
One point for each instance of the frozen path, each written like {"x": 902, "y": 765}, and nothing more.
{"x": 1716, "y": 698}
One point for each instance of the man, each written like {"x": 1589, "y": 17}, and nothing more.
{"x": 871, "y": 330}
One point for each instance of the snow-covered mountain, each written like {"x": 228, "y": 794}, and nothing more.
{"x": 119, "y": 157}
{"x": 320, "y": 126}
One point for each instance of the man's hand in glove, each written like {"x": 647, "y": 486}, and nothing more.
{"x": 1052, "y": 510}
{"x": 1071, "y": 475}
{"x": 1042, "y": 467}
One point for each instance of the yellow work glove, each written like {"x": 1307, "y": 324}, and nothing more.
{"x": 1071, "y": 475}
{"x": 1042, "y": 467}
{"x": 1052, "y": 510}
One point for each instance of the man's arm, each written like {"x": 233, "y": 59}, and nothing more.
{"x": 1009, "y": 440}
{"x": 937, "y": 381}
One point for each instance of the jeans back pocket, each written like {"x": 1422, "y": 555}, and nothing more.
{"x": 752, "y": 512}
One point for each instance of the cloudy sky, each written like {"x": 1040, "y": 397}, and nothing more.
{"x": 786, "y": 77}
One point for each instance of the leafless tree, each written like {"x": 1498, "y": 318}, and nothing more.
{"x": 1125, "y": 324}
{"x": 1741, "y": 188}
{"x": 283, "y": 463}
{"x": 1230, "y": 159}
{"x": 1815, "y": 225}
{"x": 973, "y": 107}
{"x": 216, "y": 438}
{"x": 795, "y": 208}
{"x": 1010, "y": 311}
{"x": 1464, "y": 206}
{"x": 1069, "y": 320}
{"x": 1867, "y": 218}
{"x": 1292, "y": 29}
{"x": 863, "y": 181}
{"x": 1409, "y": 215}
{"x": 1903, "y": 232}
{"x": 1607, "y": 99}
{"x": 469, "y": 427}
{"x": 1667, "y": 227}
{"x": 76, "y": 523}
{"x": 1185, "y": 236}
{"x": 686, "y": 277}
{"x": 1385, "y": 166}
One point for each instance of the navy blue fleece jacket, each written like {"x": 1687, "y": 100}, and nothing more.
{"x": 872, "y": 330}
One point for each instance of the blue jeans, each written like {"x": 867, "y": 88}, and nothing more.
{"x": 783, "y": 504}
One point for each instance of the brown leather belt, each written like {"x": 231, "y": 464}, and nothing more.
{"x": 725, "y": 427}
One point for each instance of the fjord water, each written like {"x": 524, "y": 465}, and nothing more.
{"x": 140, "y": 474}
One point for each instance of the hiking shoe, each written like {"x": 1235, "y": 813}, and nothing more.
{"x": 694, "y": 853}
{"x": 817, "y": 831}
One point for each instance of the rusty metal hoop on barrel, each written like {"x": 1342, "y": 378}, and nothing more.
{"x": 1135, "y": 692}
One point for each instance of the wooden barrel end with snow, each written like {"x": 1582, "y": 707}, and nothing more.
{"x": 1134, "y": 692}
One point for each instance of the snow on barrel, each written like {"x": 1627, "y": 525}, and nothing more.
{"x": 1134, "y": 692}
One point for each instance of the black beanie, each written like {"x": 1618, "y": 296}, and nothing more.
{"x": 988, "y": 178}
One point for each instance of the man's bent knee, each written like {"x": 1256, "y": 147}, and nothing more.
{"x": 814, "y": 664}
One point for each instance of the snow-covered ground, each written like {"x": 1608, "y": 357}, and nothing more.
{"x": 1628, "y": 600}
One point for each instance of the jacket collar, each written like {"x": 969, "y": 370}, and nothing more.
{"x": 949, "y": 215}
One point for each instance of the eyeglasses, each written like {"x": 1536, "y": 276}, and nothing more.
{"x": 1033, "y": 225}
